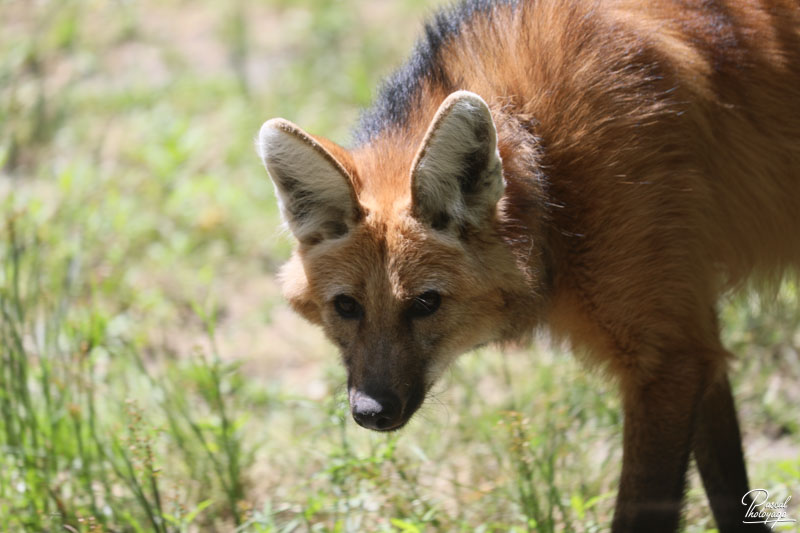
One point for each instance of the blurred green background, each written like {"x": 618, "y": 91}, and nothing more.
{"x": 152, "y": 379}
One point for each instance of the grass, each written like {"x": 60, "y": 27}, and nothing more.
{"x": 152, "y": 378}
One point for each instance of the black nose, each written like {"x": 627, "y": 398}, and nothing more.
{"x": 381, "y": 412}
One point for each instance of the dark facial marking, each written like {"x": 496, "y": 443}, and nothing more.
{"x": 441, "y": 221}
{"x": 334, "y": 229}
{"x": 473, "y": 167}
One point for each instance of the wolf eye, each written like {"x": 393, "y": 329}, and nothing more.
{"x": 425, "y": 304}
{"x": 348, "y": 307}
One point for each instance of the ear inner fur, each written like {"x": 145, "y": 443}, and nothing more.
{"x": 475, "y": 182}
{"x": 312, "y": 199}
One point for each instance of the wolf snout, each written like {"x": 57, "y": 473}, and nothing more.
{"x": 381, "y": 412}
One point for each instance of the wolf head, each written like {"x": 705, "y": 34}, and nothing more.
{"x": 400, "y": 257}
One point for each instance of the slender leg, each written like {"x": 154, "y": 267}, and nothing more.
{"x": 659, "y": 418}
{"x": 717, "y": 450}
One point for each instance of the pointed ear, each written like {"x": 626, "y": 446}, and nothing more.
{"x": 315, "y": 192}
{"x": 457, "y": 176}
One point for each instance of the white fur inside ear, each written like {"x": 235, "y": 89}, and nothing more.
{"x": 457, "y": 174}
{"x": 314, "y": 192}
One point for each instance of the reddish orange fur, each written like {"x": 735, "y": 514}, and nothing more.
{"x": 652, "y": 158}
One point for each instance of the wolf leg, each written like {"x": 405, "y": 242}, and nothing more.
{"x": 659, "y": 417}
{"x": 717, "y": 450}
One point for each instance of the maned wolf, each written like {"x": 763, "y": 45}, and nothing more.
{"x": 607, "y": 168}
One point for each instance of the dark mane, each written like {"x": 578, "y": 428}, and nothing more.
{"x": 400, "y": 92}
